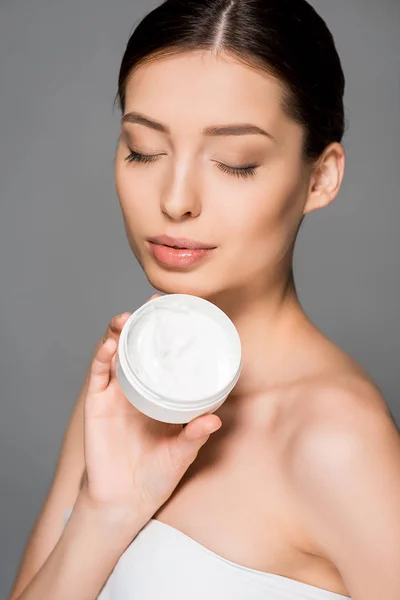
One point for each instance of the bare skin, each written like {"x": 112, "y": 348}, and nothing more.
{"x": 248, "y": 461}
{"x": 303, "y": 478}
{"x": 293, "y": 376}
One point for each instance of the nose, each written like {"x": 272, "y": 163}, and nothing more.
{"x": 181, "y": 201}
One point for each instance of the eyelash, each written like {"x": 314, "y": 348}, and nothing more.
{"x": 242, "y": 171}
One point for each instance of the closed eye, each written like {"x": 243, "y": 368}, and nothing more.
{"x": 238, "y": 171}
{"x": 138, "y": 157}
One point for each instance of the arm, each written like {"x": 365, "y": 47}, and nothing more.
{"x": 84, "y": 556}
{"x": 345, "y": 474}
{"x": 143, "y": 476}
{"x": 63, "y": 493}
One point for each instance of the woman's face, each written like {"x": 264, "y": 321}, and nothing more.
{"x": 189, "y": 190}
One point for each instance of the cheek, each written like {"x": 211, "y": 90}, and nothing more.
{"x": 133, "y": 195}
{"x": 121, "y": 179}
{"x": 263, "y": 222}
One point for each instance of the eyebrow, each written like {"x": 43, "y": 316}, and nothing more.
{"x": 214, "y": 130}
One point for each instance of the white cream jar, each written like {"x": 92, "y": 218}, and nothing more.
{"x": 179, "y": 356}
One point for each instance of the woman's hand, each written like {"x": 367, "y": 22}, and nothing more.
{"x": 133, "y": 462}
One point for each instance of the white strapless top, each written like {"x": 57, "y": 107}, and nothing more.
{"x": 164, "y": 563}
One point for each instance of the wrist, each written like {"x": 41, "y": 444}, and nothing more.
{"x": 122, "y": 520}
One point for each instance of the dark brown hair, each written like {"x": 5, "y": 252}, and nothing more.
{"x": 287, "y": 38}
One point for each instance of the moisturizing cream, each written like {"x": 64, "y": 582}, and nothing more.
{"x": 179, "y": 356}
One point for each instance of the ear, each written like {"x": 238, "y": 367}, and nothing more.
{"x": 326, "y": 178}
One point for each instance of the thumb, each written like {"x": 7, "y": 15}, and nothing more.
{"x": 99, "y": 375}
{"x": 192, "y": 438}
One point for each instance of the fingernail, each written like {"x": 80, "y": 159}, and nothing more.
{"x": 213, "y": 429}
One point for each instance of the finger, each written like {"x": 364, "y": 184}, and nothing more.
{"x": 185, "y": 447}
{"x": 115, "y": 327}
{"x": 99, "y": 375}
{"x": 201, "y": 427}
{"x": 119, "y": 321}
{"x": 113, "y": 370}
{"x": 116, "y": 324}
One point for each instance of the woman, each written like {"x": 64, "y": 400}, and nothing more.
{"x": 231, "y": 133}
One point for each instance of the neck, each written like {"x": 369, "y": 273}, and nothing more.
{"x": 270, "y": 323}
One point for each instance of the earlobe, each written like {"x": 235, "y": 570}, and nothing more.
{"x": 326, "y": 179}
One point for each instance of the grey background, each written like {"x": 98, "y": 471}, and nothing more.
{"x": 66, "y": 267}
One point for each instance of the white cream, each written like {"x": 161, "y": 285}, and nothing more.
{"x": 179, "y": 352}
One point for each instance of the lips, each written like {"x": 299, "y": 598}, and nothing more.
{"x": 178, "y": 252}
{"x": 183, "y": 243}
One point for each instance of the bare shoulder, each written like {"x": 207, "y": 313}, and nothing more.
{"x": 341, "y": 414}
{"x": 336, "y": 388}
{"x": 343, "y": 398}
{"x": 343, "y": 439}
{"x": 340, "y": 401}
{"x": 342, "y": 469}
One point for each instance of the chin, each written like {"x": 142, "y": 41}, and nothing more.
{"x": 194, "y": 283}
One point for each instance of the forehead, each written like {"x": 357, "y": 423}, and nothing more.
{"x": 199, "y": 87}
